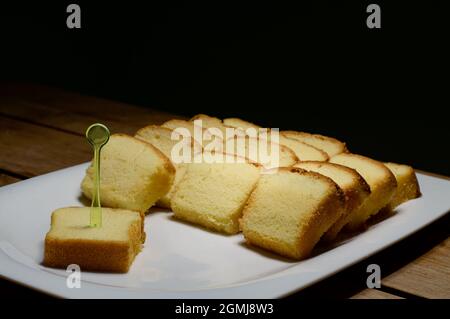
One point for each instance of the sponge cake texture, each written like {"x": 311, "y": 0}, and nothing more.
{"x": 408, "y": 186}
{"x": 207, "y": 139}
{"x": 174, "y": 124}
{"x": 213, "y": 195}
{"x": 208, "y": 121}
{"x": 213, "y": 126}
{"x": 240, "y": 124}
{"x": 165, "y": 140}
{"x": 161, "y": 138}
{"x": 111, "y": 247}
{"x": 355, "y": 188}
{"x": 329, "y": 145}
{"x": 134, "y": 174}
{"x": 303, "y": 151}
{"x": 380, "y": 179}
{"x": 165, "y": 201}
{"x": 289, "y": 211}
{"x": 269, "y": 155}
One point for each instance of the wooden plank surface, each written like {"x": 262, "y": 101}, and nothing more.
{"x": 42, "y": 130}
{"x": 427, "y": 276}
{"x": 31, "y": 150}
{"x": 73, "y": 112}
{"x": 6, "y": 179}
{"x": 374, "y": 294}
{"x": 55, "y": 118}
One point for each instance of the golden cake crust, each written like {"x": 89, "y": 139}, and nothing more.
{"x": 239, "y": 123}
{"x": 351, "y": 194}
{"x": 160, "y": 181}
{"x": 207, "y": 134}
{"x": 167, "y": 163}
{"x": 95, "y": 255}
{"x": 287, "y": 156}
{"x": 408, "y": 186}
{"x": 144, "y": 131}
{"x": 327, "y": 212}
{"x": 304, "y": 151}
{"x": 338, "y": 146}
{"x": 382, "y": 187}
{"x": 210, "y": 121}
{"x": 355, "y": 192}
{"x": 147, "y": 134}
{"x": 142, "y": 134}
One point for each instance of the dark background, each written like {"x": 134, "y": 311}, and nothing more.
{"x": 314, "y": 66}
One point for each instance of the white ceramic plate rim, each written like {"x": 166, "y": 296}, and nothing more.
{"x": 275, "y": 285}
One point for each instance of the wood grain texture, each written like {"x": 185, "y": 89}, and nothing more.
{"x": 74, "y": 112}
{"x": 428, "y": 276}
{"x": 374, "y": 294}
{"x": 43, "y": 131}
{"x": 31, "y": 150}
{"x": 6, "y": 179}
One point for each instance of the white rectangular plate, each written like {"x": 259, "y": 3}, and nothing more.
{"x": 181, "y": 260}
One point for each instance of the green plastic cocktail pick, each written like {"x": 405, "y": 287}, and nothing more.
{"x": 98, "y": 135}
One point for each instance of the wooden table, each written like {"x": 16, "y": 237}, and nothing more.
{"x": 37, "y": 122}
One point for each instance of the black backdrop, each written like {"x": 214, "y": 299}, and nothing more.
{"x": 314, "y": 66}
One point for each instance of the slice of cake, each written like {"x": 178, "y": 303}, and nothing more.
{"x": 329, "y": 145}
{"x": 289, "y": 211}
{"x": 303, "y": 151}
{"x": 166, "y": 200}
{"x": 219, "y": 158}
{"x": 208, "y": 121}
{"x": 111, "y": 247}
{"x": 161, "y": 138}
{"x": 240, "y": 124}
{"x": 134, "y": 174}
{"x": 208, "y": 138}
{"x": 212, "y": 126}
{"x": 380, "y": 179}
{"x": 165, "y": 140}
{"x": 407, "y": 184}
{"x": 213, "y": 195}
{"x": 355, "y": 188}
{"x": 174, "y": 124}
{"x": 269, "y": 155}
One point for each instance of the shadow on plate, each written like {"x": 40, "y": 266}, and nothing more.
{"x": 173, "y": 218}
{"x": 266, "y": 253}
{"x": 84, "y": 200}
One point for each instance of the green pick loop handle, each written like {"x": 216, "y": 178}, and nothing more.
{"x": 98, "y": 135}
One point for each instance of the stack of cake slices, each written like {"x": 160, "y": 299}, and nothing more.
{"x": 285, "y": 191}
